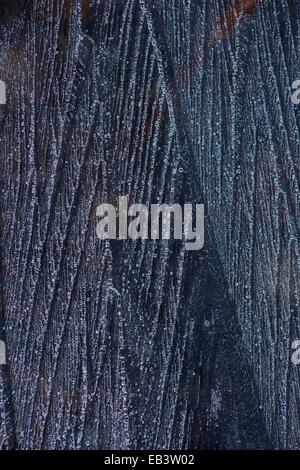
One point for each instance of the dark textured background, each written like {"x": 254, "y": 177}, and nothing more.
{"x": 142, "y": 345}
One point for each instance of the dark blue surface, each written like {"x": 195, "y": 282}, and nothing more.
{"x": 144, "y": 345}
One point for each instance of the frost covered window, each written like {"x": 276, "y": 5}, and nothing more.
{"x": 128, "y": 341}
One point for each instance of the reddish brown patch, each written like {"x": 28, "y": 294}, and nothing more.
{"x": 85, "y": 9}
{"x": 229, "y": 20}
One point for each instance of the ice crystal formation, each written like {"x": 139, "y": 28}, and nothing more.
{"x": 142, "y": 344}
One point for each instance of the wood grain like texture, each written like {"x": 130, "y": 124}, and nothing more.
{"x": 142, "y": 345}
